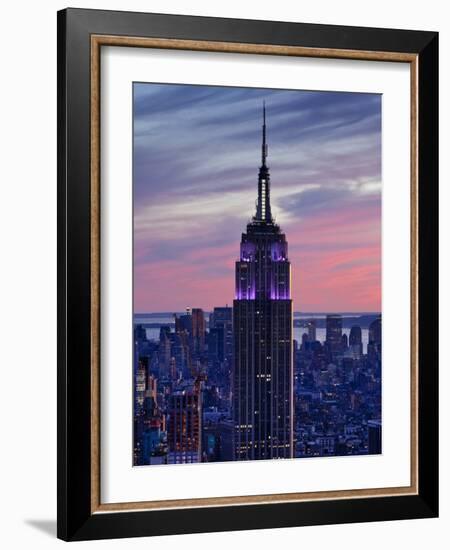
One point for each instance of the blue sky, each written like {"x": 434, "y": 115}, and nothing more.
{"x": 196, "y": 159}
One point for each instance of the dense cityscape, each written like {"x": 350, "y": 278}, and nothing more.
{"x": 235, "y": 384}
{"x": 183, "y": 385}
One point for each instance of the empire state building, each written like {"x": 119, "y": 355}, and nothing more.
{"x": 262, "y": 326}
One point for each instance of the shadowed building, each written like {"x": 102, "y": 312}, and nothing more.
{"x": 374, "y": 345}
{"x": 355, "y": 341}
{"x": 311, "y": 326}
{"x": 262, "y": 324}
{"x": 375, "y": 332}
{"x": 198, "y": 331}
{"x": 334, "y": 333}
{"x": 222, "y": 319}
{"x": 375, "y": 439}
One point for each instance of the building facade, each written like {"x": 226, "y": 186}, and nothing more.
{"x": 262, "y": 391}
{"x": 184, "y": 426}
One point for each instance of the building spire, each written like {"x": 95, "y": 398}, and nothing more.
{"x": 264, "y": 144}
{"x": 263, "y": 211}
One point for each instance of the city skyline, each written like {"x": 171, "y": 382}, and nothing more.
{"x": 194, "y": 174}
{"x": 240, "y": 383}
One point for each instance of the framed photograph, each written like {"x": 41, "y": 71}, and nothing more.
{"x": 247, "y": 255}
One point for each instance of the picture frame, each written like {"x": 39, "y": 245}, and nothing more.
{"x": 81, "y": 36}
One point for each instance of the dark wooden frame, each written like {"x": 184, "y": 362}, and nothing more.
{"x": 79, "y": 33}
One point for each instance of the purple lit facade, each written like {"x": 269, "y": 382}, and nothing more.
{"x": 262, "y": 322}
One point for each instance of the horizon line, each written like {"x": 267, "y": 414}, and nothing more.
{"x": 303, "y": 312}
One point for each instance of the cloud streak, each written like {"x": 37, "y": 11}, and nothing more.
{"x": 196, "y": 157}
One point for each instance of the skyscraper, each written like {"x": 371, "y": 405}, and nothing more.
{"x": 375, "y": 336}
{"x": 222, "y": 319}
{"x": 374, "y": 437}
{"x": 262, "y": 323}
{"x": 198, "y": 331}
{"x": 184, "y": 426}
{"x": 311, "y": 326}
{"x": 355, "y": 341}
{"x": 141, "y": 383}
{"x": 375, "y": 332}
{"x": 220, "y": 347}
{"x": 184, "y": 322}
{"x": 334, "y": 333}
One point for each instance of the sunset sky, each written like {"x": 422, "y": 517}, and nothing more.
{"x": 197, "y": 150}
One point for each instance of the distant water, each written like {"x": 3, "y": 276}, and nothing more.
{"x": 167, "y": 317}
{"x": 153, "y": 333}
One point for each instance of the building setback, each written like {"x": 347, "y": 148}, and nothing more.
{"x": 262, "y": 394}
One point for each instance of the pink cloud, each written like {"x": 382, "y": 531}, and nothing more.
{"x": 335, "y": 257}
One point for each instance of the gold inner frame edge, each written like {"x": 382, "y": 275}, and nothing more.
{"x": 97, "y": 41}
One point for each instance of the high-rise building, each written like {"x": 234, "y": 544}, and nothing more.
{"x": 141, "y": 382}
{"x": 311, "y": 326}
{"x": 355, "y": 335}
{"x": 355, "y": 341}
{"x": 164, "y": 354}
{"x": 181, "y": 350}
{"x": 184, "y": 426}
{"x": 184, "y": 322}
{"x": 215, "y": 344}
{"x": 222, "y": 319}
{"x": 375, "y": 332}
{"x": 334, "y": 333}
{"x": 139, "y": 334}
{"x": 198, "y": 331}
{"x": 173, "y": 373}
{"x": 374, "y": 427}
{"x": 305, "y": 340}
{"x": 262, "y": 320}
{"x": 154, "y": 446}
{"x": 140, "y": 367}
{"x": 374, "y": 345}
